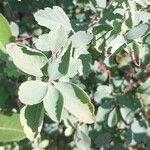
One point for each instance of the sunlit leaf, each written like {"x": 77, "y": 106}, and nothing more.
{"x": 59, "y": 66}
{"x": 51, "y": 18}
{"x": 26, "y": 59}
{"x": 53, "y": 41}
{"x": 53, "y": 103}
{"x": 76, "y": 101}
{"x": 31, "y": 118}
{"x": 32, "y": 92}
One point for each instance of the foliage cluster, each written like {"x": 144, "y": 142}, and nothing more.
{"x": 74, "y": 74}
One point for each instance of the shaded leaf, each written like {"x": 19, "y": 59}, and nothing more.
{"x": 137, "y": 31}
{"x": 5, "y": 31}
{"x": 112, "y": 118}
{"x": 10, "y": 128}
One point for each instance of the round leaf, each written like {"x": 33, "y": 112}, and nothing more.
{"x": 32, "y": 92}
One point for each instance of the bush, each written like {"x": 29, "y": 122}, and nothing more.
{"x": 74, "y": 74}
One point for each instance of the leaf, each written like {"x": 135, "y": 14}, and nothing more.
{"x": 26, "y": 59}
{"x": 139, "y": 16}
{"x": 127, "y": 114}
{"x": 32, "y": 92}
{"x": 86, "y": 63}
{"x": 5, "y": 31}
{"x": 104, "y": 109}
{"x": 10, "y": 128}
{"x": 129, "y": 101}
{"x": 141, "y": 2}
{"x": 103, "y": 91}
{"x": 116, "y": 43}
{"x": 103, "y": 139}
{"x": 137, "y": 31}
{"x": 147, "y": 2}
{"x": 81, "y": 39}
{"x": 145, "y": 87}
{"x": 73, "y": 67}
{"x": 145, "y": 98}
{"x": 53, "y": 103}
{"x": 144, "y": 92}
{"x": 14, "y": 28}
{"x": 59, "y": 67}
{"x": 53, "y": 41}
{"x": 31, "y": 118}
{"x": 42, "y": 43}
{"x": 82, "y": 140}
{"x": 112, "y": 118}
{"x": 51, "y": 18}
{"x": 76, "y": 101}
{"x": 138, "y": 126}
{"x": 101, "y": 3}
{"x": 135, "y": 50}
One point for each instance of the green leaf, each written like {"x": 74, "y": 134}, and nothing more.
{"x": 26, "y": 59}
{"x": 5, "y": 31}
{"x": 51, "y": 18}
{"x": 53, "y": 103}
{"x": 86, "y": 61}
{"x": 129, "y": 101}
{"x": 31, "y": 118}
{"x": 10, "y": 128}
{"x": 53, "y": 41}
{"x": 32, "y": 92}
{"x": 103, "y": 139}
{"x": 59, "y": 66}
{"x": 76, "y": 101}
{"x": 112, "y": 118}
{"x": 137, "y": 31}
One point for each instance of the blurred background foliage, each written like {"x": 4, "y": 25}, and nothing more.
{"x": 118, "y": 81}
